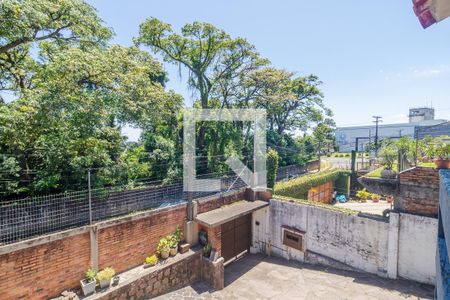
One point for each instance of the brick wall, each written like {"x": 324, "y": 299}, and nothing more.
{"x": 126, "y": 245}
{"x": 213, "y": 203}
{"x": 214, "y": 237}
{"x": 44, "y": 271}
{"x": 418, "y": 191}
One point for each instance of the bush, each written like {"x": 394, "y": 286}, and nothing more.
{"x": 272, "y": 167}
{"x": 151, "y": 260}
{"x": 299, "y": 187}
{"x": 362, "y": 194}
{"x": 106, "y": 274}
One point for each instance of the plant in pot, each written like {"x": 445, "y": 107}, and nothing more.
{"x": 207, "y": 250}
{"x": 88, "y": 283}
{"x": 173, "y": 242}
{"x": 442, "y": 151}
{"x": 150, "y": 261}
{"x": 375, "y": 198}
{"x": 390, "y": 199}
{"x": 104, "y": 277}
{"x": 362, "y": 195}
{"x": 163, "y": 248}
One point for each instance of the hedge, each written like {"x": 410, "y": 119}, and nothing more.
{"x": 299, "y": 187}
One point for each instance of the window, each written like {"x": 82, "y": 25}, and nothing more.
{"x": 293, "y": 239}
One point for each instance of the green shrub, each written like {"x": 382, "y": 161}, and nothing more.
{"x": 151, "y": 260}
{"x": 299, "y": 187}
{"x": 272, "y": 167}
{"x": 363, "y": 194}
{"x": 106, "y": 274}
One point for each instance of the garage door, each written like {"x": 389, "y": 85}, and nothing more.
{"x": 236, "y": 236}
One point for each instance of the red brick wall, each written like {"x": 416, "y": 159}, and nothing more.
{"x": 44, "y": 271}
{"x": 207, "y": 205}
{"x": 126, "y": 245}
{"x": 420, "y": 176}
{"x": 418, "y": 191}
{"x": 214, "y": 237}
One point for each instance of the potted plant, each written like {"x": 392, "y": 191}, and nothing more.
{"x": 375, "y": 198}
{"x": 104, "y": 277}
{"x": 390, "y": 199}
{"x": 362, "y": 195}
{"x": 442, "y": 150}
{"x": 207, "y": 250}
{"x": 163, "y": 248}
{"x": 173, "y": 242}
{"x": 150, "y": 261}
{"x": 88, "y": 283}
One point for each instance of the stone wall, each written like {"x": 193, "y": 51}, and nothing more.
{"x": 402, "y": 246}
{"x": 213, "y": 272}
{"x": 176, "y": 273}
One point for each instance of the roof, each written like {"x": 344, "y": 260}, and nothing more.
{"x": 230, "y": 212}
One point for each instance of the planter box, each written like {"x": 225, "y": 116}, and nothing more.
{"x": 173, "y": 251}
{"x": 87, "y": 287}
{"x": 105, "y": 283}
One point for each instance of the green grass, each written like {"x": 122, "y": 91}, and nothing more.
{"x": 377, "y": 172}
{"x": 427, "y": 164}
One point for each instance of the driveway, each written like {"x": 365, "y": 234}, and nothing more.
{"x": 259, "y": 277}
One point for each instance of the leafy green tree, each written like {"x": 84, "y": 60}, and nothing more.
{"x": 272, "y": 167}
{"x": 28, "y": 22}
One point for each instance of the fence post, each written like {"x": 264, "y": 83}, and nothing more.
{"x": 93, "y": 232}
{"x": 89, "y": 197}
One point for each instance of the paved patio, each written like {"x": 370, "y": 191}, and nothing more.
{"x": 258, "y": 277}
{"x": 366, "y": 207}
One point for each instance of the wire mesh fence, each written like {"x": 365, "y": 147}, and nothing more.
{"x": 33, "y": 216}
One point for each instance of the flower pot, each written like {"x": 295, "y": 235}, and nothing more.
{"x": 173, "y": 251}
{"x": 390, "y": 199}
{"x": 375, "y": 200}
{"x": 105, "y": 283}
{"x": 116, "y": 280}
{"x": 164, "y": 254}
{"x": 442, "y": 163}
{"x": 88, "y": 287}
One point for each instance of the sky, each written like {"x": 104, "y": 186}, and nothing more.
{"x": 373, "y": 57}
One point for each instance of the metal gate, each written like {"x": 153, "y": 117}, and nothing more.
{"x": 236, "y": 236}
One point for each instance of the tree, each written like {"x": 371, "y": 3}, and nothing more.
{"x": 27, "y": 22}
{"x": 209, "y": 54}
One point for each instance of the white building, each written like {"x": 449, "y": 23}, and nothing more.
{"x": 346, "y": 137}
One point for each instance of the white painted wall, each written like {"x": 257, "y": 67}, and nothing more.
{"x": 404, "y": 247}
{"x": 417, "y": 248}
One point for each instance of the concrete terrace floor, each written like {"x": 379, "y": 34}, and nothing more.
{"x": 366, "y": 207}
{"x": 258, "y": 277}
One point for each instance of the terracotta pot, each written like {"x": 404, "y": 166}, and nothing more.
{"x": 173, "y": 251}
{"x": 375, "y": 200}
{"x": 164, "y": 254}
{"x": 390, "y": 199}
{"x": 442, "y": 163}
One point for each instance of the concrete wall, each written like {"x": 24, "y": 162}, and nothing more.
{"x": 417, "y": 248}
{"x": 351, "y": 242}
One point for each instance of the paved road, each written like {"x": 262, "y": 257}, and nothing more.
{"x": 258, "y": 277}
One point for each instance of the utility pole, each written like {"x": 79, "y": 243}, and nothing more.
{"x": 377, "y": 120}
